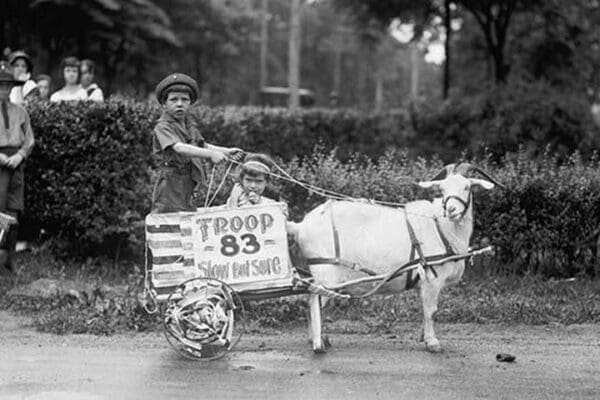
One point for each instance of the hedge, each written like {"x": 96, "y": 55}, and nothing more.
{"x": 89, "y": 179}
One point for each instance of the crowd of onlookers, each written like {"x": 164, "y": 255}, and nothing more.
{"x": 77, "y": 76}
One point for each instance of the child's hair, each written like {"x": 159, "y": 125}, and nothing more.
{"x": 256, "y": 164}
{"x": 70, "y": 62}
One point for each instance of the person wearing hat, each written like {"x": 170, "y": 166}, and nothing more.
{"x": 179, "y": 146}
{"x": 16, "y": 143}
{"x": 22, "y": 69}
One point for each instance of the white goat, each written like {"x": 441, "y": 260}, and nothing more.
{"x": 343, "y": 241}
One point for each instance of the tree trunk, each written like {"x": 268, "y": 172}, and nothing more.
{"x": 448, "y": 29}
{"x": 414, "y": 72}
{"x": 294, "y": 55}
{"x": 495, "y": 28}
{"x": 264, "y": 37}
{"x": 378, "y": 92}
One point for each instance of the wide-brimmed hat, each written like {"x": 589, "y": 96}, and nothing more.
{"x": 177, "y": 79}
{"x": 6, "y": 75}
{"x": 12, "y": 57}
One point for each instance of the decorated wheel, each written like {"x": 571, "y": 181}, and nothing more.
{"x": 199, "y": 319}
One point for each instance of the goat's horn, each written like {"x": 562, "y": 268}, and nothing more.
{"x": 463, "y": 168}
{"x": 444, "y": 172}
{"x": 489, "y": 177}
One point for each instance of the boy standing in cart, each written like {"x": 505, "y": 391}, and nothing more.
{"x": 180, "y": 147}
{"x": 16, "y": 143}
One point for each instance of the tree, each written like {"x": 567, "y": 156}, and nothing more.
{"x": 108, "y": 31}
{"x": 492, "y": 16}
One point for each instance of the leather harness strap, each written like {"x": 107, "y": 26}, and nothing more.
{"x": 337, "y": 260}
{"x": 415, "y": 251}
{"x": 416, "y": 246}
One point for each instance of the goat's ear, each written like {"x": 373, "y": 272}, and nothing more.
{"x": 482, "y": 182}
{"x": 429, "y": 184}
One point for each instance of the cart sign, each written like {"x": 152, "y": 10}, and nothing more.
{"x": 245, "y": 247}
{"x": 241, "y": 245}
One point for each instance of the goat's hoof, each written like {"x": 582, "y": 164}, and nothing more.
{"x": 433, "y": 345}
{"x": 319, "y": 350}
{"x": 326, "y": 342}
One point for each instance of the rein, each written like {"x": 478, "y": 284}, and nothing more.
{"x": 466, "y": 204}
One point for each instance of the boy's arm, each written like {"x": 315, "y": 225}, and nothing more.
{"x": 234, "y": 152}
{"x": 198, "y": 152}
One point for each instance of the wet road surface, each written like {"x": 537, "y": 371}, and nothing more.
{"x": 552, "y": 362}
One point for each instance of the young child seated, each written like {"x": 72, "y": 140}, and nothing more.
{"x": 254, "y": 175}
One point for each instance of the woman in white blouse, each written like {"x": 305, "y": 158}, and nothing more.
{"x": 72, "y": 90}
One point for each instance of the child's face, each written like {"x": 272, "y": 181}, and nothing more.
{"x": 87, "y": 76}
{"x": 254, "y": 183}
{"x": 44, "y": 88}
{"x": 178, "y": 103}
{"x": 20, "y": 69}
{"x": 71, "y": 75}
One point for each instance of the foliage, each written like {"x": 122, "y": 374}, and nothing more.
{"x": 89, "y": 176}
{"x": 87, "y": 179}
{"x": 501, "y": 119}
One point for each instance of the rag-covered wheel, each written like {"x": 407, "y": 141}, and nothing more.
{"x": 199, "y": 318}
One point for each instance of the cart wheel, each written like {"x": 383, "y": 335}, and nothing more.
{"x": 199, "y": 317}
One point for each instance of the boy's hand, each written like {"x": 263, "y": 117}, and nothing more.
{"x": 216, "y": 157}
{"x": 235, "y": 153}
{"x": 3, "y": 159}
{"x": 14, "y": 161}
{"x": 253, "y": 197}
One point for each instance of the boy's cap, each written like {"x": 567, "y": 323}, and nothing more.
{"x": 177, "y": 79}
{"x": 6, "y": 75}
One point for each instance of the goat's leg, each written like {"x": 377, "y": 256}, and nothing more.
{"x": 430, "y": 292}
{"x": 316, "y": 324}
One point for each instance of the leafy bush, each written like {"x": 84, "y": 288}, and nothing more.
{"x": 502, "y": 119}
{"x": 87, "y": 179}
{"x": 284, "y": 133}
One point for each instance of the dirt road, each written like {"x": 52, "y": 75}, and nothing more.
{"x": 552, "y": 362}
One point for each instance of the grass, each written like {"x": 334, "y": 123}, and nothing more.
{"x": 479, "y": 298}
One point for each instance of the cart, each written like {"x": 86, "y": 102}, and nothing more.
{"x": 202, "y": 266}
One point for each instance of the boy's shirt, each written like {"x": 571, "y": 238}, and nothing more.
{"x": 19, "y": 133}
{"x": 169, "y": 131}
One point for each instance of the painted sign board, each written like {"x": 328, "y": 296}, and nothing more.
{"x": 245, "y": 247}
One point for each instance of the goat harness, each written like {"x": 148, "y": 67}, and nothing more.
{"x": 417, "y": 259}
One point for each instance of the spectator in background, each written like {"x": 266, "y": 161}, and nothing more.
{"x": 43, "y": 83}
{"x": 16, "y": 142}
{"x": 22, "y": 69}
{"x": 88, "y": 68}
{"x": 72, "y": 90}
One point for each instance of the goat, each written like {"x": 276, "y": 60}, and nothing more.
{"x": 360, "y": 238}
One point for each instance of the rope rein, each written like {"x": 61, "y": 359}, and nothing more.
{"x": 151, "y": 305}
{"x": 331, "y": 194}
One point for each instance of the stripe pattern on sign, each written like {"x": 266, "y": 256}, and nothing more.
{"x": 169, "y": 239}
